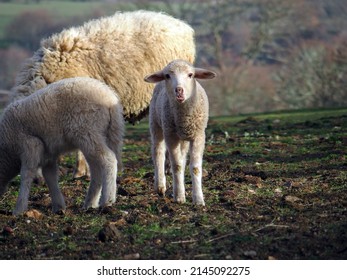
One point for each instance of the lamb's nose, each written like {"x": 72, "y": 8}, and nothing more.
{"x": 179, "y": 90}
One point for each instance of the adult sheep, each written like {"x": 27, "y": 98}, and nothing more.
{"x": 74, "y": 113}
{"x": 118, "y": 50}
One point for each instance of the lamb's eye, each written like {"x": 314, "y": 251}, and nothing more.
{"x": 167, "y": 76}
{"x": 190, "y": 75}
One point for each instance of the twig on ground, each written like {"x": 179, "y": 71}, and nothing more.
{"x": 271, "y": 225}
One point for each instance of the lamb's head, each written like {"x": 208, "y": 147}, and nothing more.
{"x": 179, "y": 77}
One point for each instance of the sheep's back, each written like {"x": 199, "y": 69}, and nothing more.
{"x": 119, "y": 50}
{"x": 63, "y": 112}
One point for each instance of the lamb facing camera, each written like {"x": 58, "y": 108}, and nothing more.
{"x": 178, "y": 116}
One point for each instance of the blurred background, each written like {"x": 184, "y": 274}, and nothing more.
{"x": 270, "y": 55}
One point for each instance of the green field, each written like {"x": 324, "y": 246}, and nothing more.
{"x": 60, "y": 9}
{"x": 275, "y": 187}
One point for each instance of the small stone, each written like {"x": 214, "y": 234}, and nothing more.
{"x": 157, "y": 241}
{"x": 250, "y": 253}
{"x": 292, "y": 199}
{"x": 7, "y": 231}
{"x": 135, "y": 256}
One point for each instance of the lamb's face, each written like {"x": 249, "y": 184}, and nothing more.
{"x": 179, "y": 77}
{"x": 180, "y": 82}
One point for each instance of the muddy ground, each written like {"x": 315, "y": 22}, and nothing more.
{"x": 275, "y": 187}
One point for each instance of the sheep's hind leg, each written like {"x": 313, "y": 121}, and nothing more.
{"x": 50, "y": 173}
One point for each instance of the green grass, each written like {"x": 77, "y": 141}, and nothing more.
{"x": 59, "y": 9}
{"x": 66, "y": 9}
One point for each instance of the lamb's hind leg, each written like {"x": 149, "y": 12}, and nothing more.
{"x": 103, "y": 171}
{"x": 94, "y": 191}
{"x": 109, "y": 179}
{"x": 50, "y": 173}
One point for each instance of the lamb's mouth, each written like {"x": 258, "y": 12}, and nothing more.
{"x": 180, "y": 98}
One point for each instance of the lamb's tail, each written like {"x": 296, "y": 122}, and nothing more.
{"x": 115, "y": 133}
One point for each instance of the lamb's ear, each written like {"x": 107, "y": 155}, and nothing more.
{"x": 155, "y": 77}
{"x": 204, "y": 74}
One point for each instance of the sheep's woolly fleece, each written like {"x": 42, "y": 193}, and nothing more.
{"x": 76, "y": 113}
{"x": 118, "y": 50}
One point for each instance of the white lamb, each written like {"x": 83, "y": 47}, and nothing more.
{"x": 178, "y": 116}
{"x": 118, "y": 50}
{"x": 74, "y": 113}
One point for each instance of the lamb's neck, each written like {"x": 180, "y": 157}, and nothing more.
{"x": 188, "y": 117}
{"x": 188, "y": 108}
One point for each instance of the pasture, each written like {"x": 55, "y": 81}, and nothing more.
{"x": 58, "y": 8}
{"x": 275, "y": 187}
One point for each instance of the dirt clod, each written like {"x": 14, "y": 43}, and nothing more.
{"x": 109, "y": 232}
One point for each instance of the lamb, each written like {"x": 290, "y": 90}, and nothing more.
{"x": 178, "y": 116}
{"x": 74, "y": 113}
{"x": 111, "y": 49}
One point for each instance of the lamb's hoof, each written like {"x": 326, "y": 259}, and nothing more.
{"x": 180, "y": 199}
{"x": 161, "y": 191}
{"x": 60, "y": 212}
{"x": 88, "y": 203}
{"x": 59, "y": 209}
{"x": 107, "y": 209}
{"x": 199, "y": 203}
{"x": 17, "y": 212}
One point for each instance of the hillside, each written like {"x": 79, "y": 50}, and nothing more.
{"x": 270, "y": 55}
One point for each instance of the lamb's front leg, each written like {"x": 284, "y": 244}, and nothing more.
{"x": 178, "y": 153}
{"x": 196, "y": 155}
{"x": 27, "y": 176}
{"x": 158, "y": 156}
{"x": 31, "y": 157}
{"x": 50, "y": 173}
